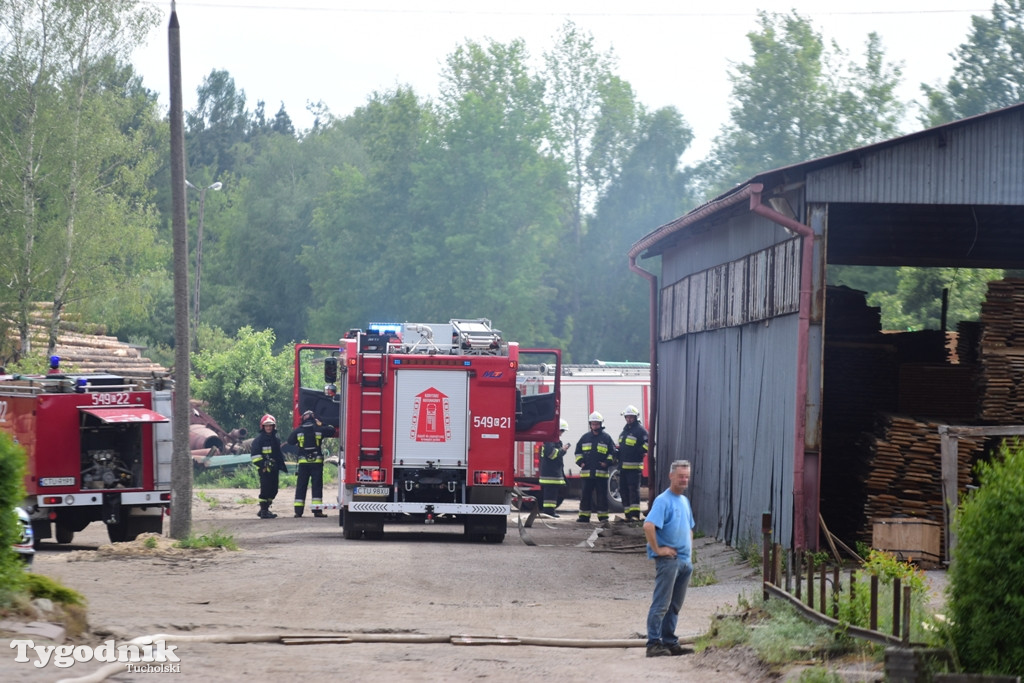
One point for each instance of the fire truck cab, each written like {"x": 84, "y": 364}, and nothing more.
{"x": 428, "y": 415}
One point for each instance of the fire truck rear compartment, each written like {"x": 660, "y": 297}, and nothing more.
{"x": 110, "y": 454}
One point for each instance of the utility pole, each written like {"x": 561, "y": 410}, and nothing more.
{"x": 181, "y": 460}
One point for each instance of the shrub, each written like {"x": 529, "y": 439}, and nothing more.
{"x": 986, "y": 579}
{"x": 12, "y": 493}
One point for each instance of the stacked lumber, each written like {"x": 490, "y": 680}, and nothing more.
{"x": 1001, "y": 353}
{"x": 904, "y": 476}
{"x": 968, "y": 339}
{"x": 938, "y": 391}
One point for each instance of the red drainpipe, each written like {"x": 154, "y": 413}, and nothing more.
{"x": 753, "y": 192}
{"x": 652, "y": 488}
{"x": 806, "y": 274}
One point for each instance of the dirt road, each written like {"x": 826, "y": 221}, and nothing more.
{"x": 299, "y": 576}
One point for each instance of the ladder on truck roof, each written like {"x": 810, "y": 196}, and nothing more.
{"x": 371, "y": 405}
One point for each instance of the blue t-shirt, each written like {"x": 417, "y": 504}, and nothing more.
{"x": 673, "y": 519}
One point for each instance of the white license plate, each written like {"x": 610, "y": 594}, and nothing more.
{"x": 57, "y": 481}
{"x": 380, "y": 491}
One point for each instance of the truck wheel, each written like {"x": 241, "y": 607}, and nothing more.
{"x": 64, "y": 534}
{"x": 130, "y": 527}
{"x": 349, "y": 528}
{"x": 614, "y": 494}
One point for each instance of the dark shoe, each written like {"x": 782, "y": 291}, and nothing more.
{"x": 583, "y": 520}
{"x": 319, "y": 513}
{"x": 658, "y": 650}
{"x": 675, "y": 649}
{"x": 266, "y": 514}
{"x": 298, "y": 514}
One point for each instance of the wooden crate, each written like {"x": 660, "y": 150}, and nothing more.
{"x": 910, "y": 539}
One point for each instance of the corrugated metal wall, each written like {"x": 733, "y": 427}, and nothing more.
{"x": 980, "y": 163}
{"x": 727, "y": 359}
{"x": 729, "y": 409}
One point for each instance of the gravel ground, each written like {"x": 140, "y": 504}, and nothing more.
{"x": 291, "y": 577}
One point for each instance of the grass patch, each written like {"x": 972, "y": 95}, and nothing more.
{"x": 246, "y": 477}
{"x": 40, "y": 586}
{"x": 214, "y": 539}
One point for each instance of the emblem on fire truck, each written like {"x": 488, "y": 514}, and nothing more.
{"x": 431, "y": 417}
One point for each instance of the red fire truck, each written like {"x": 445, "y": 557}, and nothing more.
{"x": 428, "y": 416}
{"x": 99, "y": 449}
{"x": 603, "y": 386}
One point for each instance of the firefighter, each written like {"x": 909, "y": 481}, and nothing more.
{"x": 269, "y": 460}
{"x": 595, "y": 454}
{"x": 309, "y": 437}
{"x": 632, "y": 450}
{"x": 552, "y": 471}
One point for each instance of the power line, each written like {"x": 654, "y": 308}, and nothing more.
{"x": 682, "y": 14}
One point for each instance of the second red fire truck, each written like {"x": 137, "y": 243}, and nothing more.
{"x": 428, "y": 416}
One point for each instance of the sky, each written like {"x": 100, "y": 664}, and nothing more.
{"x": 342, "y": 51}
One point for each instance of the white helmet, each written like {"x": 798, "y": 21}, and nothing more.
{"x": 563, "y": 426}
{"x": 631, "y": 410}
{"x": 596, "y": 417}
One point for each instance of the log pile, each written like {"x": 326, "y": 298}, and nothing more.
{"x": 1001, "y": 353}
{"x": 86, "y": 348}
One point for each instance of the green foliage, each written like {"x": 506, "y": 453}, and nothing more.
{"x": 12, "y": 493}
{"x": 245, "y": 477}
{"x": 150, "y": 543}
{"x": 916, "y": 304}
{"x": 217, "y": 539}
{"x": 777, "y": 634}
{"x": 986, "y": 589}
{"x": 796, "y": 100}
{"x": 988, "y": 72}
{"x": 242, "y": 382}
{"x": 887, "y": 568}
{"x": 40, "y": 586}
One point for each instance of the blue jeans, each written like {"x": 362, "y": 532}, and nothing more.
{"x": 671, "y": 577}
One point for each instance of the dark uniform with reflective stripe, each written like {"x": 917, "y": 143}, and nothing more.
{"x": 309, "y": 438}
{"x": 552, "y": 474}
{"x": 632, "y": 449}
{"x": 268, "y": 460}
{"x": 595, "y": 454}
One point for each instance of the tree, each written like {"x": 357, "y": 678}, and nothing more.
{"x": 916, "y": 303}
{"x": 791, "y": 103}
{"x": 490, "y": 197}
{"x": 245, "y": 380}
{"x": 72, "y": 169}
{"x": 366, "y": 223}
{"x": 989, "y": 68}
{"x": 217, "y": 125}
{"x": 649, "y": 189}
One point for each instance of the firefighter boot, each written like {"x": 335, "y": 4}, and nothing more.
{"x": 265, "y": 512}
{"x": 299, "y": 509}
{"x": 319, "y": 513}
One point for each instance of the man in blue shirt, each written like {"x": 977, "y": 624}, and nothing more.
{"x": 669, "y": 532}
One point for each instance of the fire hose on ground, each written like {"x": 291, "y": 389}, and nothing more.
{"x": 115, "y": 668}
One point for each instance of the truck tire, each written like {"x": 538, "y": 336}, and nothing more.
{"x": 350, "y": 529}
{"x": 614, "y": 494}
{"x": 63, "y": 534}
{"x": 131, "y": 526}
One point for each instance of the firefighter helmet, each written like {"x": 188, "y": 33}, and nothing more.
{"x": 631, "y": 410}
{"x": 268, "y": 419}
{"x": 308, "y": 414}
{"x": 563, "y": 426}
{"x": 596, "y": 417}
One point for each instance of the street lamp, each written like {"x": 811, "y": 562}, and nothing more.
{"x": 199, "y": 257}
